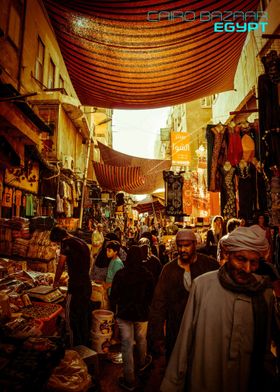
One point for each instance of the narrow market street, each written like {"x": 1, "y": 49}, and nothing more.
{"x": 140, "y": 196}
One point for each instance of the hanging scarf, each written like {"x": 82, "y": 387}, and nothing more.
{"x": 254, "y": 289}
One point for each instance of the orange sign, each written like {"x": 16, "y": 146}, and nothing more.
{"x": 180, "y": 144}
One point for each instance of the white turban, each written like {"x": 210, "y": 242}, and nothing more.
{"x": 246, "y": 238}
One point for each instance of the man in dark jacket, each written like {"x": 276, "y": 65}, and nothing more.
{"x": 172, "y": 291}
{"x": 131, "y": 295}
{"x": 75, "y": 253}
{"x": 151, "y": 262}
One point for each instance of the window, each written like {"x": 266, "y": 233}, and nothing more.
{"x": 39, "y": 64}
{"x": 51, "y": 74}
{"x": 206, "y": 102}
{"x": 14, "y": 25}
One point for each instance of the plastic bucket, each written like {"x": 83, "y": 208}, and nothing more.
{"x": 99, "y": 294}
{"x": 100, "y": 342}
{"x": 102, "y": 321}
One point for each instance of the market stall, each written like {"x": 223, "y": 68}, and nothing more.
{"x": 33, "y": 351}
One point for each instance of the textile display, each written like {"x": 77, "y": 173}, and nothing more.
{"x": 233, "y": 169}
{"x": 269, "y": 114}
{"x": 269, "y": 110}
{"x": 173, "y": 193}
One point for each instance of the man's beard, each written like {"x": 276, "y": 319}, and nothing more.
{"x": 186, "y": 258}
{"x": 241, "y": 277}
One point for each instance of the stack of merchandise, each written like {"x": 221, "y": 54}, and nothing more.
{"x": 40, "y": 246}
{"x": 5, "y": 237}
{"x": 20, "y": 228}
{"x": 20, "y": 247}
{"x": 20, "y": 236}
{"x": 14, "y": 229}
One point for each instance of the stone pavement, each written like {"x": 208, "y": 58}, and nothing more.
{"x": 110, "y": 372}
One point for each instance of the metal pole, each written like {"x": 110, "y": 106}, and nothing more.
{"x": 85, "y": 178}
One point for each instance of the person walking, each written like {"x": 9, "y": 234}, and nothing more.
{"x": 74, "y": 252}
{"x": 172, "y": 291}
{"x": 231, "y": 225}
{"x": 214, "y": 234}
{"x": 97, "y": 240}
{"x": 150, "y": 261}
{"x": 131, "y": 295}
{"x": 224, "y": 337}
{"x": 112, "y": 251}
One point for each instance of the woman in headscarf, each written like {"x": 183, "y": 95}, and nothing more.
{"x": 214, "y": 234}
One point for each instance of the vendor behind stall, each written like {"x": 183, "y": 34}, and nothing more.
{"x": 75, "y": 253}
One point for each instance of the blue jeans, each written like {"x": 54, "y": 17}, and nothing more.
{"x": 132, "y": 331}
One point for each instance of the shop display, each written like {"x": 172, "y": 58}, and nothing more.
{"x": 173, "y": 193}
{"x": 234, "y": 169}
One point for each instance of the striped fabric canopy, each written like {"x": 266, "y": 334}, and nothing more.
{"x": 118, "y": 178}
{"x": 121, "y": 172}
{"x": 128, "y": 55}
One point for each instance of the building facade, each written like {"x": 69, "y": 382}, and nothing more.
{"x": 46, "y": 135}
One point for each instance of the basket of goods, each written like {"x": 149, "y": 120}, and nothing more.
{"x": 46, "y": 313}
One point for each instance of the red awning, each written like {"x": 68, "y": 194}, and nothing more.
{"x": 118, "y": 178}
{"x": 121, "y": 172}
{"x": 125, "y": 54}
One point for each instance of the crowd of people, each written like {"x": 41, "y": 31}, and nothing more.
{"x": 212, "y": 308}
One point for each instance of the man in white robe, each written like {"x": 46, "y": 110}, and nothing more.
{"x": 224, "y": 336}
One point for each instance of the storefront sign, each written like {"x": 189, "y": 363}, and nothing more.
{"x": 180, "y": 144}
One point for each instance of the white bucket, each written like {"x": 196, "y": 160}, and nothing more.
{"x": 102, "y": 321}
{"x": 100, "y": 342}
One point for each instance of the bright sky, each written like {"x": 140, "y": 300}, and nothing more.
{"x": 135, "y": 131}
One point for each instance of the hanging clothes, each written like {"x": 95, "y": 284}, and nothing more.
{"x": 261, "y": 188}
{"x": 174, "y": 193}
{"x": 18, "y": 196}
{"x": 228, "y": 200}
{"x": 29, "y": 205}
{"x": 246, "y": 190}
{"x": 61, "y": 189}
{"x": 269, "y": 111}
{"x": 210, "y": 145}
{"x": 218, "y": 132}
{"x": 59, "y": 204}
{"x": 248, "y": 148}
{"x": 234, "y": 154}
{"x": 7, "y": 200}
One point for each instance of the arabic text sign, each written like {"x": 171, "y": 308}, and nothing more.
{"x": 180, "y": 144}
